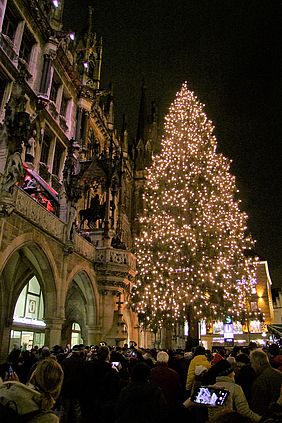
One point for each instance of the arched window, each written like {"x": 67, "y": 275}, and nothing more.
{"x": 30, "y": 307}
{"x": 76, "y": 334}
{"x": 28, "y": 326}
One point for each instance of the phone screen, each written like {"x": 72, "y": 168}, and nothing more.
{"x": 213, "y": 397}
{"x": 116, "y": 364}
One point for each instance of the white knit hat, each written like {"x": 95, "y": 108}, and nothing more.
{"x": 199, "y": 370}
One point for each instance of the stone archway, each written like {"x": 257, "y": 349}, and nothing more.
{"x": 20, "y": 265}
{"x": 80, "y": 307}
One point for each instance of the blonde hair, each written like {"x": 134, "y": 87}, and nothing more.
{"x": 48, "y": 379}
{"x": 162, "y": 357}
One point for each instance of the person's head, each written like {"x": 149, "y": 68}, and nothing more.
{"x": 199, "y": 350}
{"x": 273, "y": 350}
{"x": 103, "y": 353}
{"x": 259, "y": 360}
{"x": 242, "y": 359}
{"x": 47, "y": 378}
{"x": 223, "y": 368}
{"x": 75, "y": 350}
{"x": 162, "y": 357}
{"x": 140, "y": 373}
{"x": 45, "y": 352}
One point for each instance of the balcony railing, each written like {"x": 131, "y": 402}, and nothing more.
{"x": 110, "y": 255}
{"x": 39, "y": 215}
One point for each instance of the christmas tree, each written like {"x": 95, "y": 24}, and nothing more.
{"x": 191, "y": 251}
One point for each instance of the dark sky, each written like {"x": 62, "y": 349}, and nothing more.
{"x": 230, "y": 53}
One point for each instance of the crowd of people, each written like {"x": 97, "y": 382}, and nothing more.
{"x": 101, "y": 384}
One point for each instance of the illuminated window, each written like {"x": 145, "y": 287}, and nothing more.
{"x": 76, "y": 334}
{"x": 30, "y": 303}
{"x": 255, "y": 326}
{"x": 218, "y": 328}
{"x": 254, "y": 290}
{"x": 254, "y": 305}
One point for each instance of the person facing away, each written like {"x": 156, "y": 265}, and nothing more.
{"x": 73, "y": 367}
{"x": 101, "y": 388}
{"x": 199, "y": 359}
{"x": 225, "y": 379}
{"x": 244, "y": 374}
{"x": 35, "y": 400}
{"x": 141, "y": 401}
{"x": 266, "y": 387}
{"x": 167, "y": 379}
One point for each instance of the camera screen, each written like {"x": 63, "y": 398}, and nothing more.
{"x": 116, "y": 364}
{"x": 212, "y": 397}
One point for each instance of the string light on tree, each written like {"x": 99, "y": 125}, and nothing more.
{"x": 192, "y": 243}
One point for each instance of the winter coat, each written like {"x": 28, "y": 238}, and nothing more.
{"x": 169, "y": 381}
{"x": 265, "y": 389}
{"x": 141, "y": 403}
{"x": 100, "y": 391}
{"x": 73, "y": 367}
{"x": 198, "y": 360}
{"x": 239, "y": 402}
{"x": 26, "y": 399}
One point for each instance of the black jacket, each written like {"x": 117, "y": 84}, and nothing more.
{"x": 141, "y": 403}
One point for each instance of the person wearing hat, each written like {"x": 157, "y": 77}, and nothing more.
{"x": 225, "y": 379}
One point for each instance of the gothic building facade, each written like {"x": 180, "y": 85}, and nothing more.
{"x": 70, "y": 186}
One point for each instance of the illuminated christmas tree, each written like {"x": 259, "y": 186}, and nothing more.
{"x": 192, "y": 243}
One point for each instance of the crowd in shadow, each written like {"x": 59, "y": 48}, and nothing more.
{"x": 121, "y": 385}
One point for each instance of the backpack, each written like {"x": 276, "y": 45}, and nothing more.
{"x": 9, "y": 413}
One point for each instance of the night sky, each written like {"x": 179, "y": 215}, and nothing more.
{"x": 230, "y": 54}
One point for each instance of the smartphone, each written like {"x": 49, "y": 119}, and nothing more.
{"x": 116, "y": 364}
{"x": 212, "y": 397}
{"x": 10, "y": 370}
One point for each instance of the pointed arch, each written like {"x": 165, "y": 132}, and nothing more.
{"x": 23, "y": 258}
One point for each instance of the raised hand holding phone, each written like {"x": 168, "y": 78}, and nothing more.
{"x": 210, "y": 396}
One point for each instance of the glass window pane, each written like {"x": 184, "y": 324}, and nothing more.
{"x": 32, "y": 306}
{"x": 19, "y": 309}
{"x": 41, "y": 308}
{"x": 15, "y": 340}
{"x": 34, "y": 286}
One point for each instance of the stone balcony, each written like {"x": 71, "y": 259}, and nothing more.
{"x": 115, "y": 265}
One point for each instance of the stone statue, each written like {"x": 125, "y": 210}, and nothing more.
{"x": 13, "y": 173}
{"x": 30, "y": 148}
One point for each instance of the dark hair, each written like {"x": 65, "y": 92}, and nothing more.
{"x": 140, "y": 372}
{"x": 274, "y": 349}
{"x": 223, "y": 368}
{"x": 199, "y": 350}
{"x": 103, "y": 353}
{"x": 242, "y": 358}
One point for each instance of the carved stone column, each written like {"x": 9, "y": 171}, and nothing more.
{"x": 94, "y": 334}
{"x": 5, "y": 340}
{"x": 53, "y": 331}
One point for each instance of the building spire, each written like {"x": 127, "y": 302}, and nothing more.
{"x": 142, "y": 117}
{"x": 56, "y": 19}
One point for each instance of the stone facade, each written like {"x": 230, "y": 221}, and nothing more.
{"x": 70, "y": 188}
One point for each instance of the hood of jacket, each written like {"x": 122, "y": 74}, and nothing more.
{"x": 23, "y": 396}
